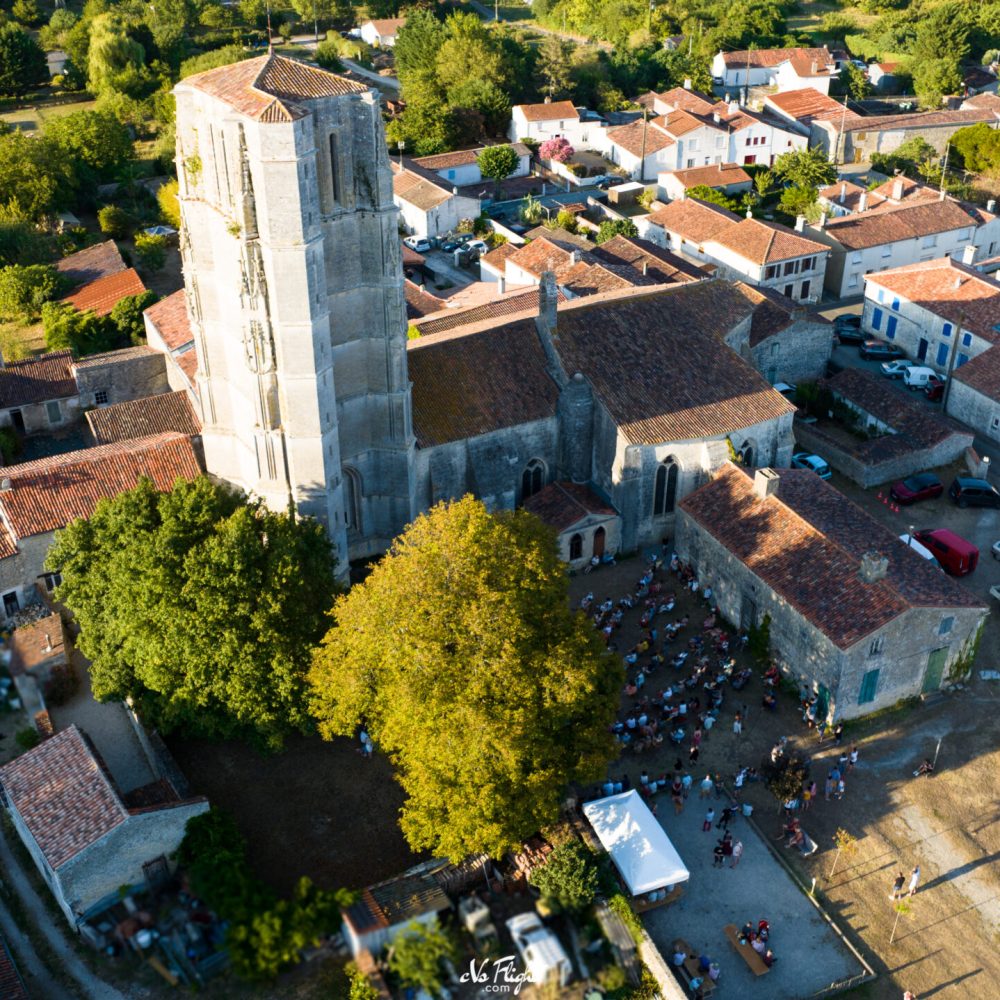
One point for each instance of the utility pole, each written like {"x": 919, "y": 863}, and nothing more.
{"x": 746, "y": 86}
{"x": 951, "y": 362}
{"x": 840, "y": 134}
{"x": 642, "y": 158}
{"x": 944, "y": 169}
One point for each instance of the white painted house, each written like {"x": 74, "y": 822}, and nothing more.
{"x": 787, "y": 69}
{"x": 461, "y": 168}
{"x": 553, "y": 119}
{"x": 381, "y": 33}
{"x": 429, "y": 206}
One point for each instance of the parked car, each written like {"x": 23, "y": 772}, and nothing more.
{"x": 969, "y": 492}
{"x": 923, "y": 486}
{"x": 918, "y": 377}
{"x": 478, "y": 247}
{"x": 956, "y": 556}
{"x": 787, "y": 389}
{"x": 449, "y": 244}
{"x": 848, "y": 329}
{"x": 462, "y": 238}
{"x": 877, "y": 349}
{"x": 935, "y": 388}
{"x": 417, "y": 243}
{"x": 921, "y": 550}
{"x": 540, "y": 950}
{"x": 803, "y": 460}
{"x": 895, "y": 369}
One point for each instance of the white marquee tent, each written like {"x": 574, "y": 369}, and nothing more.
{"x": 638, "y": 845}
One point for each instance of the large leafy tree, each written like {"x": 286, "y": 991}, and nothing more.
{"x": 553, "y": 66}
{"x": 22, "y": 61}
{"x": 805, "y": 167}
{"x": 34, "y": 180}
{"x": 94, "y": 140}
{"x": 201, "y": 605}
{"x": 416, "y": 955}
{"x": 498, "y": 163}
{"x": 461, "y": 656}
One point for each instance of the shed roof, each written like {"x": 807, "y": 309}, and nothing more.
{"x": 145, "y": 417}
{"x": 37, "y": 380}
{"x": 88, "y": 265}
{"x": 563, "y": 504}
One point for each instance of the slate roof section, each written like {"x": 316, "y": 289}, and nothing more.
{"x": 806, "y": 543}
{"x": 271, "y": 87}
{"x": 556, "y": 111}
{"x": 945, "y": 288}
{"x": 37, "y": 380}
{"x": 563, "y": 504}
{"x": 88, "y": 265}
{"x": 170, "y": 317}
{"x": 695, "y": 221}
{"x": 766, "y": 242}
{"x": 470, "y": 383}
{"x": 102, "y": 295}
{"x": 48, "y": 493}
{"x": 146, "y": 417}
{"x": 894, "y": 223}
{"x": 982, "y": 373}
{"x": 63, "y": 795}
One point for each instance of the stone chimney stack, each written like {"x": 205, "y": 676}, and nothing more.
{"x": 863, "y": 201}
{"x": 765, "y": 483}
{"x": 48, "y": 643}
{"x": 874, "y": 567}
{"x": 897, "y": 190}
{"x": 843, "y": 193}
{"x": 991, "y": 205}
{"x": 733, "y": 107}
{"x": 548, "y": 301}
{"x": 574, "y": 257}
{"x": 942, "y": 195}
{"x": 822, "y": 220}
{"x": 687, "y": 83}
{"x": 800, "y": 223}
{"x": 968, "y": 254}
{"x": 645, "y": 267}
{"x": 501, "y": 284}
{"x": 749, "y": 213}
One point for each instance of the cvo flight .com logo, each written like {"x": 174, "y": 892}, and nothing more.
{"x": 499, "y": 976}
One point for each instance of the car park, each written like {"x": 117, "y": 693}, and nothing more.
{"x": 803, "y": 460}
{"x": 875, "y": 350}
{"x": 895, "y": 369}
{"x": 955, "y": 555}
{"x": 968, "y": 492}
{"x": 848, "y": 329}
{"x": 417, "y": 243}
{"x": 923, "y": 486}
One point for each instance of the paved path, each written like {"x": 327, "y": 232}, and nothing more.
{"x": 89, "y": 986}
{"x": 40, "y": 983}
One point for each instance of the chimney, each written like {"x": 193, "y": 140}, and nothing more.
{"x": 548, "y": 98}
{"x": 501, "y": 285}
{"x": 48, "y": 643}
{"x": 822, "y": 220}
{"x": 843, "y": 193}
{"x": 749, "y": 213}
{"x": 968, "y": 254}
{"x": 991, "y": 205}
{"x": 958, "y": 283}
{"x": 716, "y": 117}
{"x": 4, "y": 485}
{"x": 800, "y": 224}
{"x": 874, "y": 567}
{"x": 733, "y": 107}
{"x": 548, "y": 300}
{"x": 897, "y": 190}
{"x": 765, "y": 483}
{"x": 942, "y": 195}
{"x": 814, "y": 67}
{"x": 687, "y": 83}
{"x": 645, "y": 267}
{"x": 575, "y": 257}
{"x": 863, "y": 201}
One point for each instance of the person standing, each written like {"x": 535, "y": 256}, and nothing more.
{"x": 914, "y": 880}
{"x": 706, "y": 786}
{"x": 838, "y": 733}
{"x": 737, "y": 724}
{"x": 852, "y": 759}
{"x": 737, "y": 853}
{"x": 710, "y": 818}
{"x": 897, "y": 886}
{"x": 718, "y": 854}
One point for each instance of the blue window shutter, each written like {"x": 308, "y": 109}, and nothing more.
{"x": 890, "y": 327}
{"x": 895, "y": 303}
{"x": 967, "y": 340}
{"x": 962, "y": 358}
{"x": 869, "y": 684}
{"x": 946, "y": 330}
{"x": 877, "y": 318}
{"x": 942, "y": 354}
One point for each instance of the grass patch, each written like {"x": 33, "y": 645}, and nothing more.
{"x": 34, "y": 117}
{"x": 21, "y": 340}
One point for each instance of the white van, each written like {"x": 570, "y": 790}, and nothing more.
{"x": 920, "y": 549}
{"x": 917, "y": 377}
{"x": 541, "y": 952}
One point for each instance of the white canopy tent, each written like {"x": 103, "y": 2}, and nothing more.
{"x": 638, "y": 845}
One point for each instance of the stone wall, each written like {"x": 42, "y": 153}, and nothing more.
{"x": 19, "y": 572}
{"x": 974, "y": 409}
{"x": 799, "y": 353}
{"x": 123, "y": 375}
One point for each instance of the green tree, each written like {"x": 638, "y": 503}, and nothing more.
{"x": 569, "y": 877}
{"x": 127, "y": 316}
{"x": 416, "y": 48}
{"x": 115, "y": 222}
{"x": 211, "y": 605}
{"x": 25, "y": 289}
{"x": 805, "y": 168}
{"x": 22, "y": 61}
{"x": 20, "y": 241}
{"x": 763, "y": 181}
{"x": 978, "y": 146}
{"x": 114, "y": 60}
{"x": 170, "y": 207}
{"x": 151, "y": 251}
{"x": 520, "y": 696}
{"x": 611, "y": 228}
{"x": 704, "y": 193}
{"x": 935, "y": 79}
{"x": 26, "y": 12}
{"x": 83, "y": 333}
{"x": 909, "y": 158}
{"x": 361, "y": 987}
{"x": 416, "y": 953}
{"x": 314, "y": 11}
{"x": 96, "y": 140}
{"x": 855, "y": 82}
{"x": 553, "y": 65}
{"x": 498, "y": 163}
{"x": 800, "y": 199}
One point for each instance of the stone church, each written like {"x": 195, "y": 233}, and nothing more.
{"x": 601, "y": 412}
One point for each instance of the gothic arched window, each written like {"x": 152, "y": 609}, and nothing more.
{"x": 665, "y": 487}
{"x": 533, "y": 478}
{"x": 352, "y": 499}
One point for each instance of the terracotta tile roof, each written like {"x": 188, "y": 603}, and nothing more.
{"x": 982, "y": 373}
{"x": 507, "y": 305}
{"x": 561, "y": 505}
{"x": 902, "y": 189}
{"x": 852, "y": 195}
{"x": 115, "y": 357}
{"x": 806, "y": 543}
{"x": 678, "y": 123}
{"x": 471, "y": 383}
{"x": 102, "y": 295}
{"x": 686, "y": 100}
{"x": 556, "y": 111}
{"x": 418, "y": 190}
{"x": 893, "y": 223}
{"x": 985, "y": 101}
{"x": 170, "y": 317}
{"x": 887, "y": 67}
{"x": 462, "y": 157}
{"x": 7, "y": 545}
{"x": 37, "y": 643}
{"x": 188, "y": 364}
{"x": 497, "y": 256}
{"x": 927, "y": 119}
{"x": 805, "y": 67}
{"x": 411, "y": 258}
{"x": 766, "y": 242}
{"x": 716, "y": 176}
{"x": 945, "y": 288}
{"x": 808, "y": 105}
{"x": 88, "y": 265}
{"x": 419, "y": 302}
{"x": 388, "y": 26}
{"x": 47, "y": 494}
{"x": 271, "y": 87}
{"x": 139, "y": 418}
{"x": 37, "y": 380}
{"x": 563, "y": 236}
{"x": 664, "y": 266}
{"x": 773, "y": 313}
{"x": 591, "y": 278}
{"x": 11, "y": 985}
{"x": 544, "y": 254}
{"x": 706, "y": 391}
{"x": 63, "y": 795}
{"x": 694, "y": 220}
{"x": 630, "y": 138}
{"x": 769, "y": 58}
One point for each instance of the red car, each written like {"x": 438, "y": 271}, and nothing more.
{"x": 935, "y": 388}
{"x": 924, "y": 486}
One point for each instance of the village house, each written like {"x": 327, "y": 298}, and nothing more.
{"x": 578, "y": 516}
{"x": 381, "y": 33}
{"x": 882, "y": 76}
{"x": 81, "y": 832}
{"x": 727, "y": 178}
{"x": 461, "y": 168}
{"x": 785, "y": 342}
{"x": 787, "y": 69}
{"x": 892, "y": 235}
{"x": 40, "y": 497}
{"x": 555, "y": 119}
{"x": 802, "y": 109}
{"x": 169, "y": 332}
{"x": 842, "y": 198}
{"x": 427, "y": 205}
{"x": 778, "y": 543}
{"x": 146, "y": 417}
{"x": 974, "y": 393}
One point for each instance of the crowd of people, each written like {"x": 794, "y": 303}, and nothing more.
{"x": 759, "y": 939}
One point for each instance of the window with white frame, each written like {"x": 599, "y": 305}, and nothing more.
{"x": 876, "y": 646}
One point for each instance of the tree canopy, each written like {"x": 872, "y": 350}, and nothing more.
{"x": 805, "y": 168}
{"x": 569, "y": 876}
{"x": 460, "y": 655}
{"x": 22, "y": 61}
{"x": 200, "y": 604}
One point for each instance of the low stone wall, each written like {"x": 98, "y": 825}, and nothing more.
{"x": 809, "y": 437}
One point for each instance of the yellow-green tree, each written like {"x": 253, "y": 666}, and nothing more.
{"x": 461, "y": 656}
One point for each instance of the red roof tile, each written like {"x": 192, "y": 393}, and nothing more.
{"x": 893, "y": 223}
{"x": 188, "y": 364}
{"x": 556, "y": 111}
{"x": 170, "y": 317}
{"x": 47, "y": 494}
{"x": 769, "y": 58}
{"x": 766, "y": 242}
{"x": 420, "y": 302}
{"x": 88, "y": 265}
{"x": 63, "y": 795}
{"x": 718, "y": 176}
{"x": 982, "y": 373}
{"x": 506, "y": 305}
{"x": 102, "y": 295}
{"x": 139, "y": 418}
{"x": 694, "y": 220}
{"x": 561, "y": 505}
{"x": 37, "y": 380}
{"x": 809, "y": 105}
{"x": 637, "y": 137}
{"x": 37, "y": 643}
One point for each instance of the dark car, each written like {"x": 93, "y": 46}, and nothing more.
{"x": 968, "y": 492}
{"x": 879, "y": 350}
{"x": 449, "y": 244}
{"x": 935, "y": 388}
{"x": 924, "y": 486}
{"x": 848, "y": 329}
